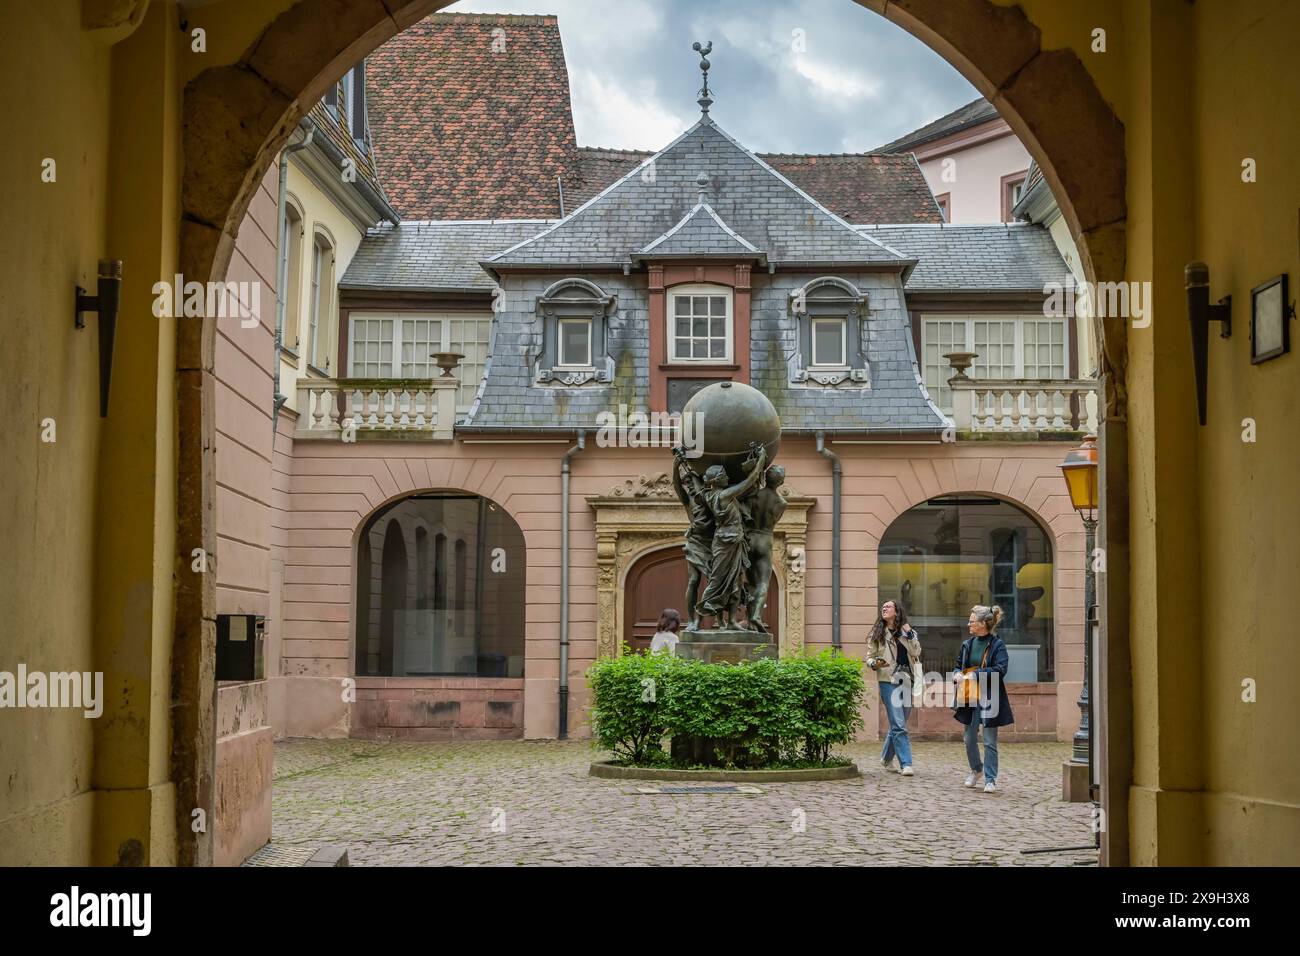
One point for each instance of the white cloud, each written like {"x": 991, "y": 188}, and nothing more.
{"x": 607, "y": 114}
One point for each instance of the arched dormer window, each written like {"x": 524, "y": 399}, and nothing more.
{"x": 573, "y": 315}
{"x": 831, "y": 314}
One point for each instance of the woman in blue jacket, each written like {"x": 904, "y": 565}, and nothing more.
{"x": 987, "y": 654}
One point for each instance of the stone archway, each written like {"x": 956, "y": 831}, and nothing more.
{"x": 237, "y": 116}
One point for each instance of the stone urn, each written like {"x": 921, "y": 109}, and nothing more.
{"x": 960, "y": 361}
{"x": 447, "y": 361}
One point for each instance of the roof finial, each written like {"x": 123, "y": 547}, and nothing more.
{"x": 702, "y": 181}
{"x": 704, "y": 50}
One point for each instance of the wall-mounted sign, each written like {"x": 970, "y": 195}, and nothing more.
{"x": 1270, "y": 336}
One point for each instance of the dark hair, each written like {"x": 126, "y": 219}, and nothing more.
{"x": 670, "y": 620}
{"x": 878, "y": 631}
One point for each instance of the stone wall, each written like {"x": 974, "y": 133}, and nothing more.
{"x": 243, "y": 782}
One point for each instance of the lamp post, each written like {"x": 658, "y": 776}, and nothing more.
{"x": 1080, "y": 471}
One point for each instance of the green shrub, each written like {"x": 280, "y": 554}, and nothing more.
{"x": 788, "y": 712}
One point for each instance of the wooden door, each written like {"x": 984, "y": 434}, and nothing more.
{"x": 658, "y": 581}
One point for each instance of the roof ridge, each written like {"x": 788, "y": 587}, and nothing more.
{"x": 522, "y": 18}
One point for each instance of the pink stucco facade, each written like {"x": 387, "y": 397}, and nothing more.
{"x": 326, "y": 491}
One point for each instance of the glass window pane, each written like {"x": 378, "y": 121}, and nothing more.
{"x": 683, "y": 326}
{"x": 828, "y": 343}
{"x": 717, "y": 348}
{"x": 718, "y": 305}
{"x": 699, "y": 305}
{"x": 683, "y": 348}
{"x": 701, "y": 325}
{"x": 683, "y": 304}
{"x": 574, "y": 343}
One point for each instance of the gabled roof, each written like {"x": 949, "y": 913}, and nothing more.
{"x": 857, "y": 187}
{"x": 1016, "y": 257}
{"x": 470, "y": 117}
{"x": 433, "y": 256}
{"x": 701, "y": 232}
{"x": 972, "y": 114}
{"x": 758, "y": 203}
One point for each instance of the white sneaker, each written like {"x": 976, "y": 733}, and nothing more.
{"x": 906, "y": 771}
{"x": 973, "y": 778}
{"x": 990, "y": 787}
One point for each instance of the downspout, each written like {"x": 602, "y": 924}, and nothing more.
{"x": 564, "y": 583}
{"x": 282, "y": 267}
{"x": 836, "y": 477}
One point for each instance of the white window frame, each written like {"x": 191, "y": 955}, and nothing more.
{"x": 321, "y": 304}
{"x": 559, "y": 343}
{"x": 679, "y": 291}
{"x": 1018, "y": 347}
{"x": 445, "y": 319}
{"x": 843, "y": 322}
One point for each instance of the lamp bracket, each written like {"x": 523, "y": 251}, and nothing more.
{"x": 1222, "y": 313}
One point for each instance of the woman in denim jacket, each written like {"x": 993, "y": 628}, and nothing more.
{"x": 894, "y": 653}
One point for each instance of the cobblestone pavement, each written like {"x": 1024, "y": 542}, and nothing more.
{"x": 421, "y": 804}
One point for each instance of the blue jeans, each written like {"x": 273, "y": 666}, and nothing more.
{"x": 990, "y": 764}
{"x": 896, "y": 700}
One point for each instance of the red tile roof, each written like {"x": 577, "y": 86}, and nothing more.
{"x": 470, "y": 117}
{"x": 463, "y": 132}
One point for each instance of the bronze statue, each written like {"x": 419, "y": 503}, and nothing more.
{"x": 765, "y": 509}
{"x": 699, "y": 533}
{"x": 729, "y": 562}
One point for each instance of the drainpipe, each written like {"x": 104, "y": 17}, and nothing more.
{"x": 564, "y": 582}
{"x": 282, "y": 266}
{"x": 836, "y": 476}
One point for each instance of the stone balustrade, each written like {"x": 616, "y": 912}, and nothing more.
{"x": 1024, "y": 405}
{"x": 331, "y": 408}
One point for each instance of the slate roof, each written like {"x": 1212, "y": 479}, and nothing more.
{"x": 1000, "y": 257}
{"x": 468, "y": 124}
{"x": 972, "y": 114}
{"x": 701, "y": 232}
{"x": 433, "y": 256}
{"x": 769, "y": 211}
{"x": 857, "y": 187}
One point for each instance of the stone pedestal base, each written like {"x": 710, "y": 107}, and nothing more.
{"x": 1074, "y": 782}
{"x": 724, "y": 646}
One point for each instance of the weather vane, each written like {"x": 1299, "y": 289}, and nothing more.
{"x": 704, "y": 49}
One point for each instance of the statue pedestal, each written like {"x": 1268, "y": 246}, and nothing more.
{"x": 720, "y": 646}
{"x": 725, "y": 645}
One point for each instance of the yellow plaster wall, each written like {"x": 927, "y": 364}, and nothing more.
{"x": 1246, "y": 97}
{"x": 54, "y": 233}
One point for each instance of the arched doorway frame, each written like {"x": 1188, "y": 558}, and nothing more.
{"x": 780, "y": 567}
{"x": 237, "y": 116}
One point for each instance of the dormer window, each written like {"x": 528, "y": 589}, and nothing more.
{"x": 700, "y": 324}
{"x": 572, "y": 316}
{"x": 830, "y": 313}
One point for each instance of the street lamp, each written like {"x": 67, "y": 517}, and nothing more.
{"x": 1080, "y": 471}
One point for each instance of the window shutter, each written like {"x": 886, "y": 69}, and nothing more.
{"x": 357, "y": 108}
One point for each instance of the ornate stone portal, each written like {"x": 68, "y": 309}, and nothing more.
{"x": 643, "y": 515}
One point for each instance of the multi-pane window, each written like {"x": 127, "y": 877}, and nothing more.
{"x": 574, "y": 343}
{"x": 1006, "y": 347}
{"x": 700, "y": 325}
{"x": 400, "y": 346}
{"x": 829, "y": 342}
{"x": 291, "y": 246}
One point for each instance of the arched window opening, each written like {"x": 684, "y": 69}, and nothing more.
{"x": 460, "y": 613}
{"x": 944, "y": 556}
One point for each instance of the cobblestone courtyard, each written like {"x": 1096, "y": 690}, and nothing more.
{"x": 419, "y": 804}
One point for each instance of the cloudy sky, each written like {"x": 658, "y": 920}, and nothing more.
{"x": 809, "y": 76}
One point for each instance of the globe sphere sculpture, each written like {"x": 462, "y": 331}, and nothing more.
{"x": 728, "y": 417}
